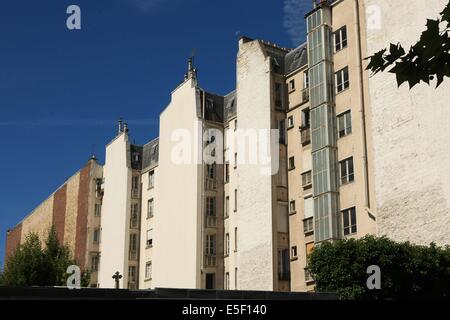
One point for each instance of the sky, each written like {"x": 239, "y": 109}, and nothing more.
{"x": 62, "y": 91}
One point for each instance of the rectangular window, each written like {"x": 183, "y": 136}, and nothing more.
{"x": 134, "y": 216}
{"x": 309, "y": 207}
{"x": 291, "y": 164}
{"x": 95, "y": 260}
{"x": 235, "y": 240}
{"x": 227, "y": 172}
{"x": 135, "y": 182}
{"x": 132, "y": 274}
{"x": 306, "y": 119}
{"x": 278, "y": 96}
{"x": 283, "y": 264}
{"x": 133, "y": 246}
{"x": 235, "y": 200}
{"x": 98, "y": 209}
{"x": 292, "y": 208}
{"x": 151, "y": 179}
{"x": 290, "y": 122}
{"x": 344, "y": 124}
{"x": 235, "y": 160}
{"x": 306, "y": 179}
{"x": 282, "y": 130}
{"x": 211, "y": 206}
{"x": 210, "y": 244}
{"x": 349, "y": 221}
{"x": 347, "y": 171}
{"x": 227, "y": 281}
{"x": 292, "y": 85}
{"x": 96, "y": 236}
{"x": 211, "y": 171}
{"x": 308, "y": 225}
{"x": 306, "y": 80}
{"x": 235, "y": 278}
{"x": 148, "y": 270}
{"x": 235, "y": 124}
{"x": 340, "y": 38}
{"x": 149, "y": 238}
{"x": 294, "y": 252}
{"x": 227, "y": 206}
{"x": 150, "y": 208}
{"x": 227, "y": 244}
{"x": 342, "y": 80}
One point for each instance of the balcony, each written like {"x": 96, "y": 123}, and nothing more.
{"x": 305, "y": 136}
{"x": 305, "y": 95}
{"x": 211, "y": 222}
{"x": 211, "y": 184}
{"x": 210, "y": 261}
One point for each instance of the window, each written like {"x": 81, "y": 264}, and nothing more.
{"x": 151, "y": 179}
{"x": 283, "y": 264}
{"x": 210, "y": 281}
{"x": 136, "y": 157}
{"x": 211, "y": 206}
{"x": 235, "y": 278}
{"x": 95, "y": 261}
{"x": 148, "y": 270}
{"x": 135, "y": 183}
{"x": 306, "y": 120}
{"x": 235, "y": 200}
{"x": 235, "y": 239}
{"x": 98, "y": 209}
{"x": 227, "y": 281}
{"x": 278, "y": 96}
{"x": 294, "y": 252}
{"x": 227, "y": 172}
{"x": 309, "y": 207}
{"x": 306, "y": 179}
{"x": 340, "y": 38}
{"x": 150, "y": 208}
{"x": 349, "y": 217}
{"x": 308, "y": 225}
{"x": 347, "y": 173}
{"x": 132, "y": 274}
{"x": 344, "y": 124}
{"x": 235, "y": 124}
{"x": 292, "y": 206}
{"x": 290, "y": 122}
{"x": 134, "y": 216}
{"x": 235, "y": 160}
{"x": 291, "y": 163}
{"x": 342, "y": 80}
{"x": 227, "y": 206}
{"x": 96, "y": 235}
{"x": 227, "y": 244}
{"x": 305, "y": 79}
{"x": 282, "y": 129}
{"x": 149, "y": 238}
{"x": 211, "y": 171}
{"x": 292, "y": 85}
{"x": 210, "y": 244}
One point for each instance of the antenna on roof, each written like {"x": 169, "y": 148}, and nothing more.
{"x": 192, "y": 71}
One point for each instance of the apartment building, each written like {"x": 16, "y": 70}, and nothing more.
{"x": 191, "y": 209}
{"x": 75, "y": 211}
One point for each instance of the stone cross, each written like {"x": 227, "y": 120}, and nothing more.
{"x": 117, "y": 276}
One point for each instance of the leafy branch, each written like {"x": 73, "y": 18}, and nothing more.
{"x": 428, "y": 59}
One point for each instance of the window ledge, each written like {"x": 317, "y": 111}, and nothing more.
{"x": 294, "y": 259}
{"x": 292, "y": 213}
{"x": 309, "y": 233}
{"x": 290, "y": 127}
{"x": 292, "y": 168}
{"x": 149, "y": 246}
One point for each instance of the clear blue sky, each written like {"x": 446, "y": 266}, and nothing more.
{"x": 61, "y": 91}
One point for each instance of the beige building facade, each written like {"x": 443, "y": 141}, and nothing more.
{"x": 237, "y": 190}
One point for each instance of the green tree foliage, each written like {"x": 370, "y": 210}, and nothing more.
{"x": 407, "y": 271}
{"x": 427, "y": 60}
{"x": 33, "y": 265}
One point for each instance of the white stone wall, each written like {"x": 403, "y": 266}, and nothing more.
{"x": 254, "y": 201}
{"x": 410, "y": 132}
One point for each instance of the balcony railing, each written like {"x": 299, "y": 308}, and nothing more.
{"x": 211, "y": 222}
{"x": 210, "y": 261}
{"x": 210, "y": 184}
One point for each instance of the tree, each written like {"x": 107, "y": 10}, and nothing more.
{"x": 428, "y": 59}
{"x": 407, "y": 271}
{"x": 32, "y": 265}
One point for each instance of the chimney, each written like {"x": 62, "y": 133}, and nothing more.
{"x": 120, "y": 123}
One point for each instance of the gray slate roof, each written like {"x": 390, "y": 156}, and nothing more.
{"x": 296, "y": 58}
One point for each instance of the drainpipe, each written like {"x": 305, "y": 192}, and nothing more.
{"x": 362, "y": 113}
